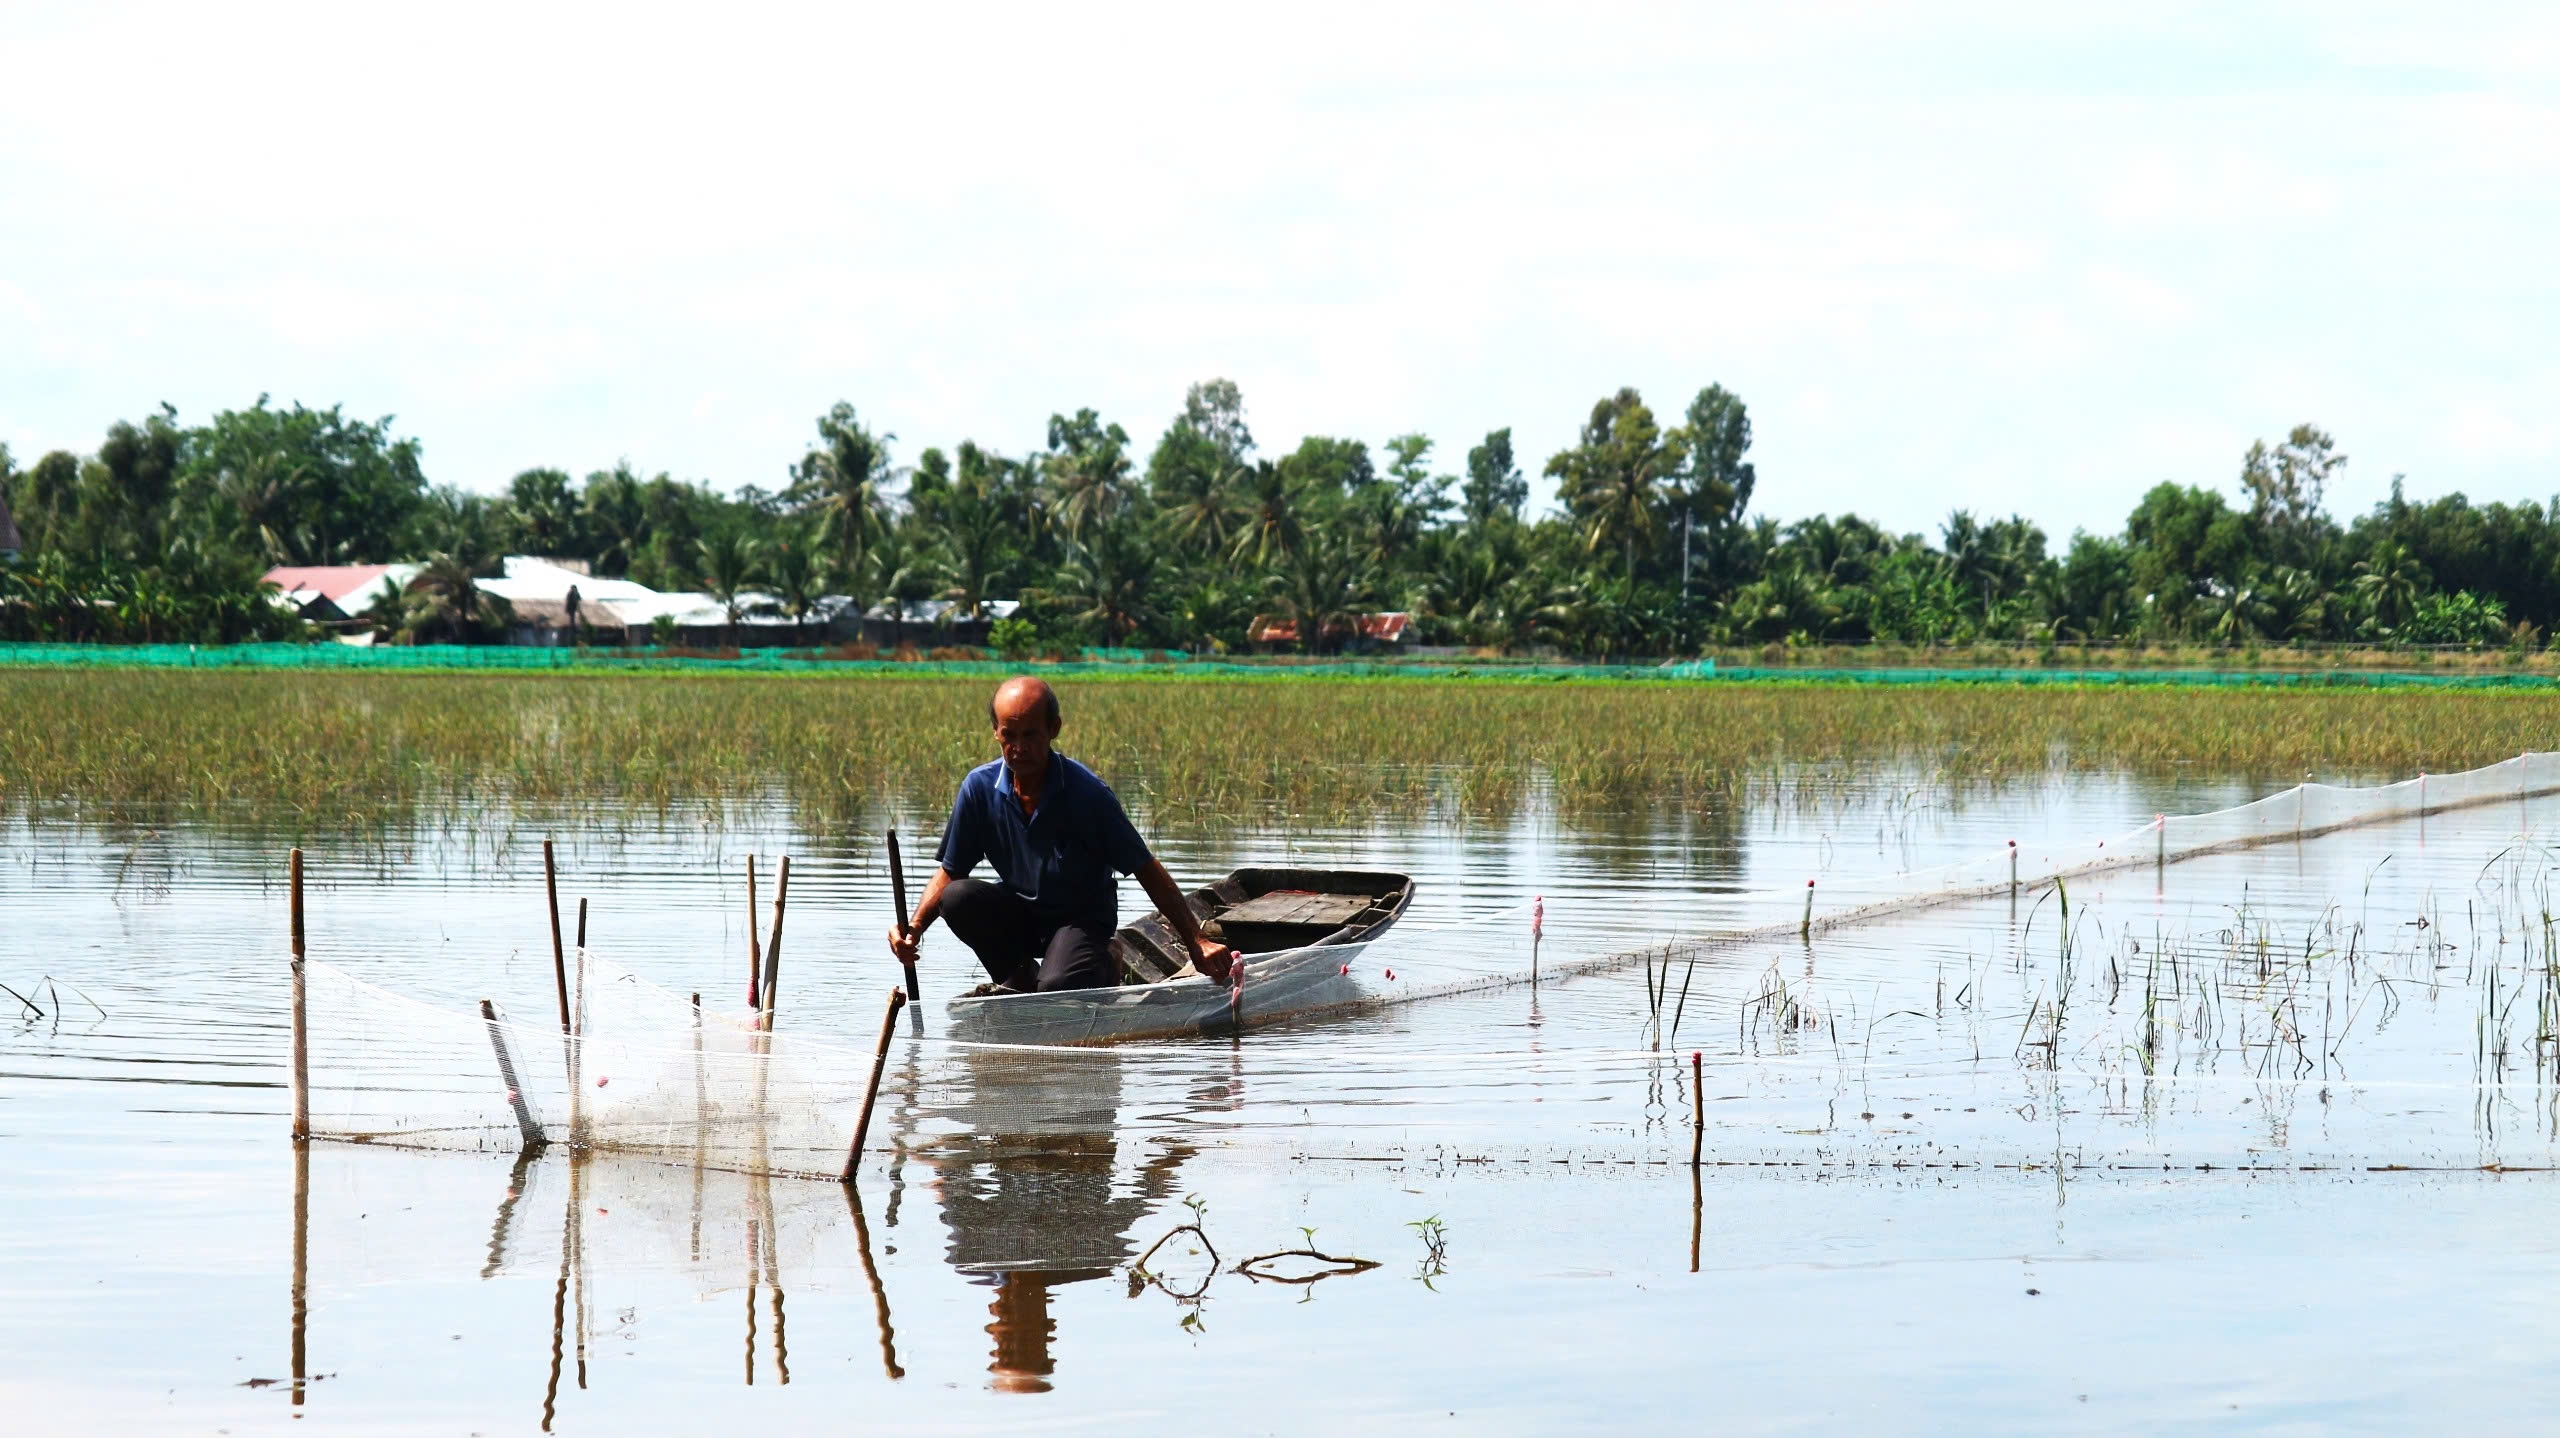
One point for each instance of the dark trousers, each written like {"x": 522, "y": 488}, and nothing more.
{"x": 1021, "y": 948}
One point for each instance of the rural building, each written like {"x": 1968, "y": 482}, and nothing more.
{"x": 332, "y": 593}
{"x": 1354, "y": 634}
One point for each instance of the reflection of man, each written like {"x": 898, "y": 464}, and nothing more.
{"x": 1029, "y": 1194}
{"x": 1056, "y": 835}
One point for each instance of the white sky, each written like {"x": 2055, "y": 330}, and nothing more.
{"x": 2015, "y": 257}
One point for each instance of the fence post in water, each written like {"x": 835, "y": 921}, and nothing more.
{"x": 531, "y": 1131}
{"x": 773, "y": 939}
{"x": 2160, "y": 829}
{"x": 1805, "y": 929}
{"x": 1537, "y": 931}
{"x": 755, "y": 947}
{"x": 1698, "y": 1102}
{"x": 871, "y": 1090}
{"x": 559, "y": 963}
{"x": 301, "y": 1012}
{"x": 2013, "y": 868}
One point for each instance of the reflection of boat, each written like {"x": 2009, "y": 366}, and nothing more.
{"x": 1298, "y": 930}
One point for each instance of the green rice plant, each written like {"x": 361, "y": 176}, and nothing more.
{"x": 345, "y": 751}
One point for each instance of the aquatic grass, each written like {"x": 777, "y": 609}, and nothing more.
{"x": 336, "y": 750}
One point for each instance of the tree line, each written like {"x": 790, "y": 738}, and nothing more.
{"x": 1652, "y": 548}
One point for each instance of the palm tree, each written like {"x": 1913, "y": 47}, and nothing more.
{"x": 2391, "y": 580}
{"x": 445, "y": 592}
{"x": 1271, "y": 527}
{"x": 796, "y": 578}
{"x": 1204, "y": 513}
{"x": 1612, "y": 483}
{"x": 979, "y": 536}
{"x": 727, "y": 563}
{"x": 1106, "y": 580}
{"x": 1323, "y": 584}
{"x": 844, "y": 481}
{"x": 2235, "y": 613}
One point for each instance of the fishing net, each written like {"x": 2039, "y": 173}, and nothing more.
{"x": 639, "y": 1070}
{"x": 2206, "y": 1047}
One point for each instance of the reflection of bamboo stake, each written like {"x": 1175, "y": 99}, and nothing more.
{"x": 1698, "y": 1099}
{"x": 301, "y": 1254}
{"x": 755, "y": 1276}
{"x": 578, "y": 1246}
{"x": 879, "y": 1291}
{"x": 560, "y": 1304}
{"x": 301, "y": 1019}
{"x": 582, "y": 923}
{"x": 504, "y": 1228}
{"x": 525, "y": 1125}
{"x": 773, "y": 939}
{"x": 871, "y": 1090}
{"x": 1697, "y": 1213}
{"x": 773, "y": 1280}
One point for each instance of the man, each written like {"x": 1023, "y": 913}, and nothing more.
{"x": 1056, "y": 835}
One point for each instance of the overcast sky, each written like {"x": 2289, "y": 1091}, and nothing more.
{"x": 2008, "y": 257}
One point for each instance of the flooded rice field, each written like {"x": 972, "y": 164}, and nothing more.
{"x": 2258, "y": 1136}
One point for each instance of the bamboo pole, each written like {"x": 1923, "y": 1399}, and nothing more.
{"x": 559, "y": 962}
{"x": 525, "y": 1124}
{"x": 1805, "y": 929}
{"x": 898, "y": 890}
{"x": 871, "y": 1090}
{"x": 301, "y": 1010}
{"x": 773, "y": 939}
{"x": 755, "y": 950}
{"x": 582, "y": 923}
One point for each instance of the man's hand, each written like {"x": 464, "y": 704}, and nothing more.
{"x": 902, "y": 945}
{"x": 1214, "y": 959}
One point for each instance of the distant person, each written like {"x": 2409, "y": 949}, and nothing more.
{"x": 1056, "y": 836}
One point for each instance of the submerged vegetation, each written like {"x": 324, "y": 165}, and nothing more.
{"x": 348, "y": 750}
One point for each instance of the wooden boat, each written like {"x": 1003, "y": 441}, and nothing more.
{"x": 1300, "y": 933}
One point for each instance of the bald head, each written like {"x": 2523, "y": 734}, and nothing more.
{"x": 1022, "y": 697}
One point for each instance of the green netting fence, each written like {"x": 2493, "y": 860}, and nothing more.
{"x": 1157, "y": 664}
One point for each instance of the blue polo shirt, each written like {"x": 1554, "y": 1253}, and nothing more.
{"x": 1063, "y": 856}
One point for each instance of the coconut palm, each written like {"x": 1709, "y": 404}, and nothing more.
{"x": 844, "y": 483}
{"x": 445, "y": 593}
{"x": 2391, "y": 581}
{"x": 1323, "y": 584}
{"x": 727, "y": 564}
{"x": 1106, "y": 581}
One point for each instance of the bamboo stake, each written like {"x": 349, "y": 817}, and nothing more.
{"x": 582, "y": 923}
{"x": 871, "y": 1090}
{"x": 898, "y": 890}
{"x": 773, "y": 939}
{"x": 559, "y": 962}
{"x": 525, "y": 1124}
{"x": 301, "y": 1012}
{"x": 1805, "y": 929}
{"x": 755, "y": 950}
